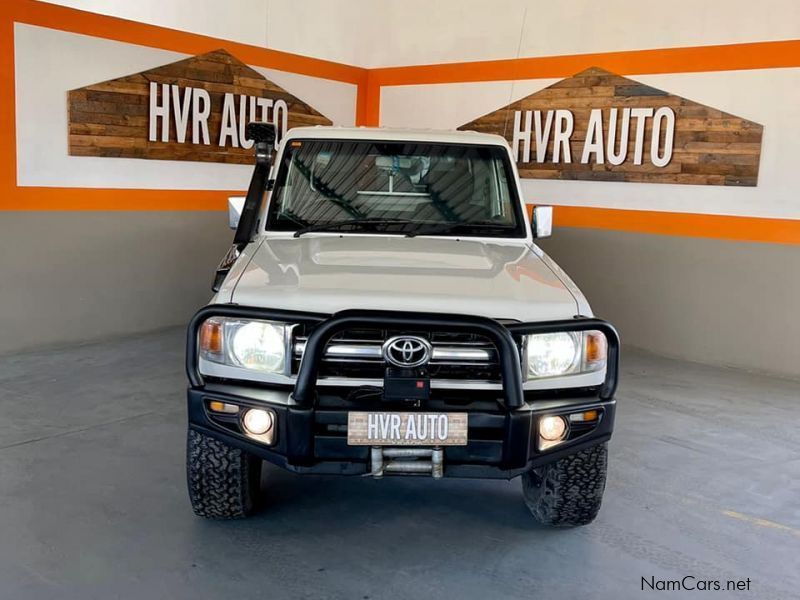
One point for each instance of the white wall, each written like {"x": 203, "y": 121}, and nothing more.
{"x": 424, "y": 32}
{"x": 338, "y": 30}
{"x": 377, "y": 33}
{"x": 237, "y": 20}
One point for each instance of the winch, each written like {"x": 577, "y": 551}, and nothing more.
{"x": 407, "y": 460}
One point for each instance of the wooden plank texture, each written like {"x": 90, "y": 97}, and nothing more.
{"x": 710, "y": 147}
{"x": 111, "y": 118}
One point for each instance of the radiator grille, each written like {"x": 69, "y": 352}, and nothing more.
{"x": 357, "y": 354}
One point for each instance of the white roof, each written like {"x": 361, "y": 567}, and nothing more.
{"x": 399, "y": 135}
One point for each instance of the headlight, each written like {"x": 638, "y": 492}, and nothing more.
{"x": 256, "y": 345}
{"x": 556, "y": 354}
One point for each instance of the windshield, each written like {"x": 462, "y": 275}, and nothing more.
{"x": 395, "y": 187}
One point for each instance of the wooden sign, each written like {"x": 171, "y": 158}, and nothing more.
{"x": 194, "y": 109}
{"x": 600, "y": 126}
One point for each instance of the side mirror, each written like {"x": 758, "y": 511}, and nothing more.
{"x": 542, "y": 222}
{"x": 235, "y": 208}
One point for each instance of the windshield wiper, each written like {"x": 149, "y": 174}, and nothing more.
{"x": 447, "y": 228}
{"x": 337, "y": 225}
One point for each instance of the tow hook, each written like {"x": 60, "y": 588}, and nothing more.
{"x": 407, "y": 460}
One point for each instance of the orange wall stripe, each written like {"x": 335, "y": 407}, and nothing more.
{"x": 121, "y": 30}
{"x": 103, "y": 199}
{"x": 8, "y": 116}
{"x": 361, "y": 103}
{"x": 372, "y": 113}
{"x": 729, "y": 57}
{"x": 744, "y": 229}
{"x": 368, "y": 102}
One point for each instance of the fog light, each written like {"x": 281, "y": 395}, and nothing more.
{"x": 259, "y": 424}
{"x": 552, "y": 429}
{"x": 257, "y": 421}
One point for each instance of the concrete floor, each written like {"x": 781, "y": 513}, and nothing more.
{"x": 704, "y": 481}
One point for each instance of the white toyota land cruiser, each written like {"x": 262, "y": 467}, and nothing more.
{"x": 384, "y": 310}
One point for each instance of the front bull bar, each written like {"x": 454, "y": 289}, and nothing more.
{"x": 502, "y": 336}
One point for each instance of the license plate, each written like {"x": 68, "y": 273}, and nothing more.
{"x": 406, "y": 429}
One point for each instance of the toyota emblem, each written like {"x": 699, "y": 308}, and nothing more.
{"x": 407, "y": 351}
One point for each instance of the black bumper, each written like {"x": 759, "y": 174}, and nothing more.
{"x": 501, "y": 444}
{"x": 311, "y": 435}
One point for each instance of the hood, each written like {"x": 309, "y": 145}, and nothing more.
{"x": 327, "y": 274}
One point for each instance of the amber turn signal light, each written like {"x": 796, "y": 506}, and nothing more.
{"x": 211, "y": 337}
{"x": 584, "y": 417}
{"x": 223, "y": 407}
{"x": 596, "y": 346}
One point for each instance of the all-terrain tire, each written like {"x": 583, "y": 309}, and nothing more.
{"x": 569, "y": 491}
{"x": 224, "y": 482}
